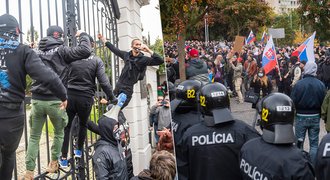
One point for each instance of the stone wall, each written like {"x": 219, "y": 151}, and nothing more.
{"x": 129, "y": 27}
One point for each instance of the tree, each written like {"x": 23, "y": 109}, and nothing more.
{"x": 236, "y": 17}
{"x": 179, "y": 17}
{"x": 291, "y": 23}
{"x": 159, "y": 49}
{"x": 315, "y": 16}
{"x": 32, "y": 40}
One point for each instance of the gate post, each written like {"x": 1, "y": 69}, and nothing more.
{"x": 71, "y": 22}
{"x": 129, "y": 27}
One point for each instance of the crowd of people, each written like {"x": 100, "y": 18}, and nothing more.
{"x": 218, "y": 55}
{"x": 292, "y": 94}
{"x": 63, "y": 89}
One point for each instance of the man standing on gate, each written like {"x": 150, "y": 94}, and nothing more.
{"x": 18, "y": 60}
{"x": 57, "y": 57}
{"x": 135, "y": 66}
{"x": 81, "y": 90}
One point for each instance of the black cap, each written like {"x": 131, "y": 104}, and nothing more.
{"x": 55, "y": 31}
{"x": 90, "y": 39}
{"x": 9, "y": 24}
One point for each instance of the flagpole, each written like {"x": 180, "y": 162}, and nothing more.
{"x": 278, "y": 65}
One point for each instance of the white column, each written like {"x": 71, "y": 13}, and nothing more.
{"x": 129, "y": 27}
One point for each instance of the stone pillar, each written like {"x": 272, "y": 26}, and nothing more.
{"x": 129, "y": 27}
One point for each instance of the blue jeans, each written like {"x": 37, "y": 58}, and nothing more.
{"x": 312, "y": 124}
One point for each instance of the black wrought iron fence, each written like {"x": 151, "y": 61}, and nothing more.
{"x": 94, "y": 17}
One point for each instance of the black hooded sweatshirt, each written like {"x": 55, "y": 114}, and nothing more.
{"x": 18, "y": 60}
{"x": 108, "y": 161}
{"x": 58, "y": 57}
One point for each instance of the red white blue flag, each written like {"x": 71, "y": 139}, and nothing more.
{"x": 264, "y": 37}
{"x": 305, "y": 52}
{"x": 251, "y": 38}
{"x": 269, "y": 60}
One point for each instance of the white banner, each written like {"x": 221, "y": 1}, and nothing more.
{"x": 277, "y": 33}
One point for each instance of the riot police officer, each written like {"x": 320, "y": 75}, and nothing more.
{"x": 274, "y": 156}
{"x": 184, "y": 112}
{"x": 211, "y": 147}
{"x": 322, "y": 167}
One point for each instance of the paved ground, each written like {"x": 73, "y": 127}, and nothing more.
{"x": 246, "y": 113}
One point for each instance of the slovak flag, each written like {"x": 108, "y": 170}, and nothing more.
{"x": 305, "y": 52}
{"x": 264, "y": 37}
{"x": 269, "y": 60}
{"x": 251, "y": 38}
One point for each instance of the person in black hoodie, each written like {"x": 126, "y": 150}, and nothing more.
{"x": 18, "y": 60}
{"x": 124, "y": 141}
{"x": 81, "y": 90}
{"x": 108, "y": 159}
{"x": 57, "y": 57}
{"x": 135, "y": 66}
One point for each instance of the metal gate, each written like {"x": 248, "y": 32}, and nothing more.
{"x": 94, "y": 17}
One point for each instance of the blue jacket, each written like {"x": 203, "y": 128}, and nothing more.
{"x": 308, "y": 95}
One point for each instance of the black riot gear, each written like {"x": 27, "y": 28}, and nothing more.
{"x": 214, "y": 101}
{"x": 277, "y": 116}
{"x": 186, "y": 94}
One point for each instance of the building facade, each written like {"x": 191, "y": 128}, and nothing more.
{"x": 129, "y": 28}
{"x": 283, "y": 6}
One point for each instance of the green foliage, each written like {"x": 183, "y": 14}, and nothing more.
{"x": 315, "y": 16}
{"x": 290, "y": 22}
{"x": 159, "y": 49}
{"x": 94, "y": 116}
{"x": 105, "y": 54}
{"x": 238, "y": 17}
{"x": 28, "y": 85}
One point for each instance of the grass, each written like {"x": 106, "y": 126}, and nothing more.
{"x": 94, "y": 116}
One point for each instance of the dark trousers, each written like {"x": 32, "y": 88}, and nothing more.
{"x": 11, "y": 130}
{"x": 121, "y": 88}
{"x": 81, "y": 106}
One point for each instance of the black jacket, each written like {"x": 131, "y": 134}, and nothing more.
{"x": 143, "y": 175}
{"x": 212, "y": 152}
{"x": 17, "y": 61}
{"x": 322, "y": 167}
{"x": 108, "y": 160}
{"x": 57, "y": 57}
{"x": 308, "y": 95}
{"x": 82, "y": 74}
{"x": 261, "y": 160}
{"x": 180, "y": 124}
{"x": 134, "y": 68}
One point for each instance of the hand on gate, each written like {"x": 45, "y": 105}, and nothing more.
{"x": 100, "y": 36}
{"x": 64, "y": 104}
{"x": 79, "y": 32}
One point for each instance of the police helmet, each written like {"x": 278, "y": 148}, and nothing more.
{"x": 214, "y": 101}
{"x": 186, "y": 94}
{"x": 277, "y": 116}
{"x": 171, "y": 90}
